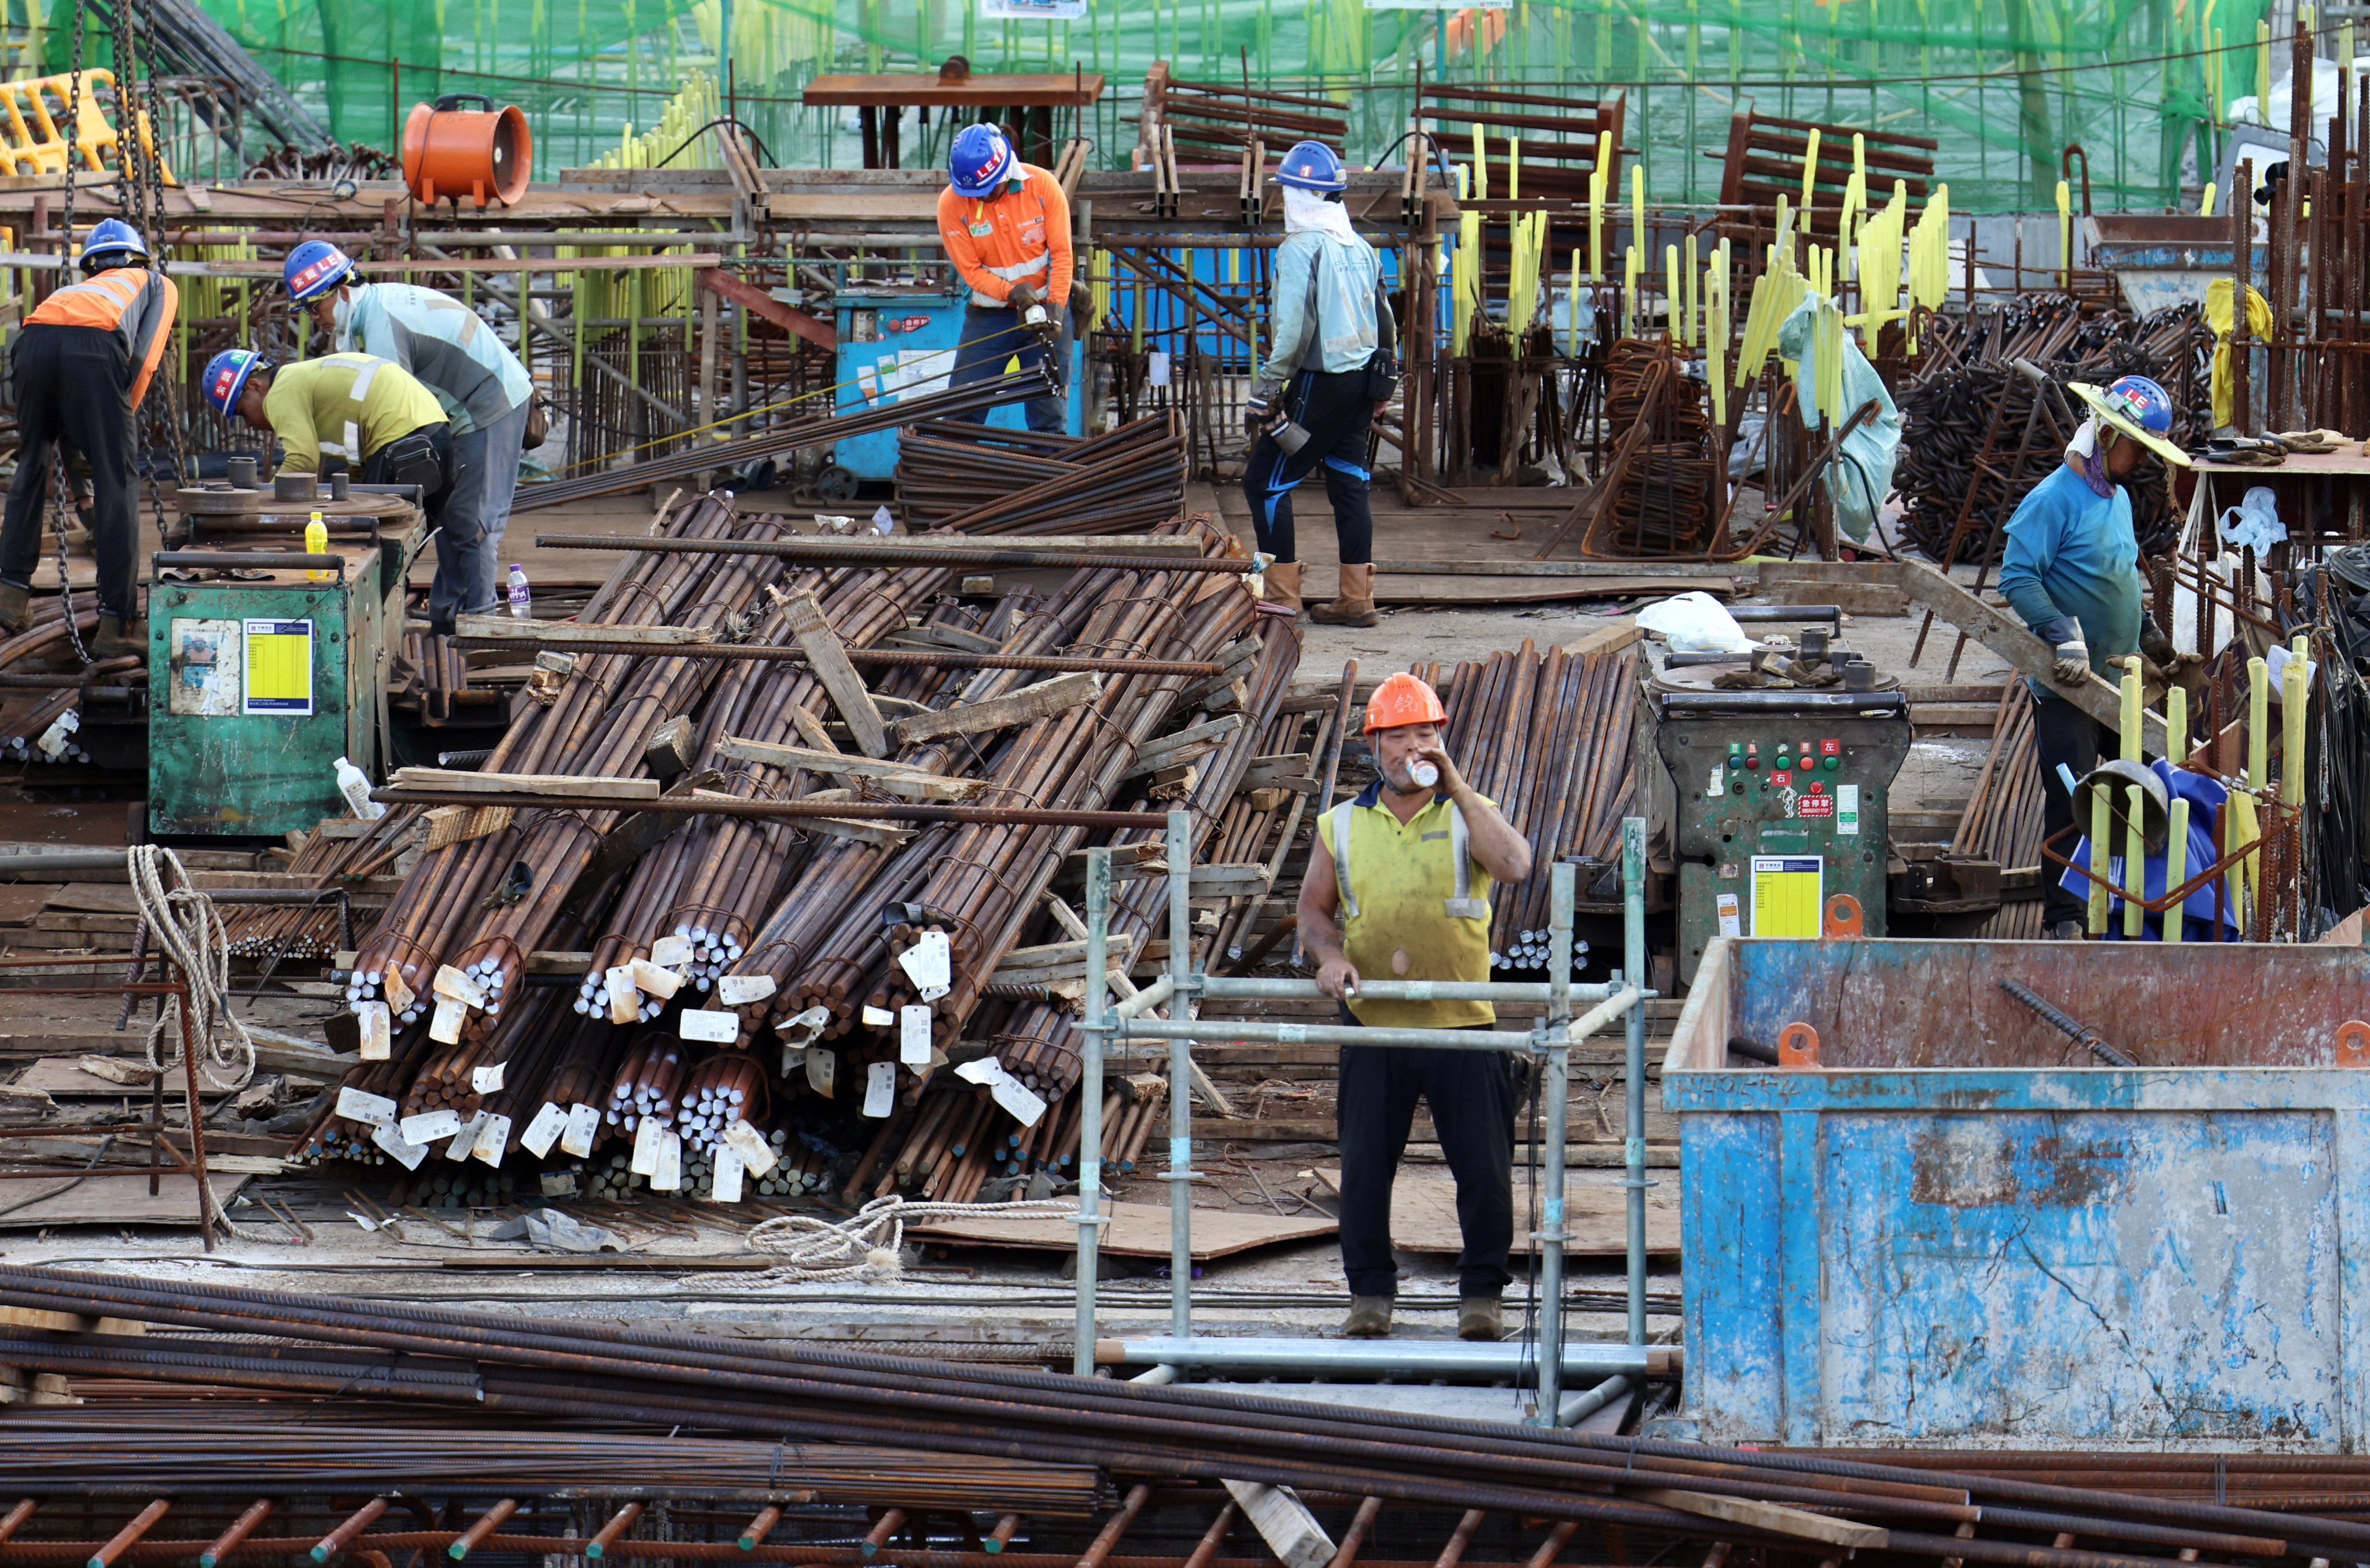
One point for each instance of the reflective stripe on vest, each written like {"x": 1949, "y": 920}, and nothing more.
{"x": 1463, "y": 906}
{"x": 98, "y": 301}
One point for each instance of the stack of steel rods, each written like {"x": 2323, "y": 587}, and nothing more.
{"x": 329, "y": 860}
{"x": 1130, "y": 478}
{"x": 787, "y": 1392}
{"x": 2003, "y": 820}
{"x": 948, "y": 466}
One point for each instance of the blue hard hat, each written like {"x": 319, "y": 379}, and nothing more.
{"x": 226, "y": 376}
{"x": 1312, "y": 165}
{"x": 2143, "y": 402}
{"x": 314, "y": 267}
{"x": 981, "y": 161}
{"x": 112, "y": 242}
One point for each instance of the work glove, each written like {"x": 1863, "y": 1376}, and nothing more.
{"x": 1257, "y": 412}
{"x": 1023, "y": 296}
{"x": 2156, "y": 646}
{"x": 2072, "y": 655}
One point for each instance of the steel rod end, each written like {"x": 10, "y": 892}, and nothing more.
{"x": 206, "y": 1560}
{"x": 596, "y": 1549}
{"x": 320, "y": 1554}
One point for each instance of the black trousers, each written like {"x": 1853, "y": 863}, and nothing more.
{"x": 1472, "y": 1098}
{"x": 2061, "y": 733}
{"x": 1336, "y": 409}
{"x": 74, "y": 383}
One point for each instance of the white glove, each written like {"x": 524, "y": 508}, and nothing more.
{"x": 2073, "y": 664}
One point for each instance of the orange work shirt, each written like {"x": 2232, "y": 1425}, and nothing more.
{"x": 1021, "y": 235}
{"x": 133, "y": 303}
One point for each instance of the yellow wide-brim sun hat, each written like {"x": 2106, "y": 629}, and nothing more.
{"x": 2162, "y": 446}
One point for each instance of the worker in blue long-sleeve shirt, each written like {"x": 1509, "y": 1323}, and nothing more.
{"x": 2072, "y": 571}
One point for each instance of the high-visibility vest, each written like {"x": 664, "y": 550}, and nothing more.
{"x": 1021, "y": 235}
{"x": 133, "y": 302}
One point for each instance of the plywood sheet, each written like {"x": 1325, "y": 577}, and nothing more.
{"x": 114, "y": 1199}
{"x": 1137, "y": 1230}
{"x": 1423, "y": 1213}
{"x": 64, "y": 1076}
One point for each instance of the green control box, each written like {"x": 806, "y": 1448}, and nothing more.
{"x": 1781, "y": 803}
{"x": 258, "y": 682}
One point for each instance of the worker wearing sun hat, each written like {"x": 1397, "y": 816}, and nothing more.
{"x": 1407, "y": 864}
{"x": 2072, "y": 571}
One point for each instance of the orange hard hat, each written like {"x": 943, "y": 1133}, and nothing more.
{"x": 1402, "y": 701}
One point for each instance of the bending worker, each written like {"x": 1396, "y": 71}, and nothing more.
{"x": 485, "y": 392}
{"x": 1006, "y": 225}
{"x": 1332, "y": 365}
{"x": 2072, "y": 571}
{"x": 79, "y": 371}
{"x": 371, "y": 412}
{"x": 1410, "y": 861}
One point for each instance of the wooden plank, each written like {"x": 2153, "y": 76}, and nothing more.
{"x": 1284, "y": 1522}
{"x": 949, "y": 636}
{"x": 1026, "y": 705}
{"x": 1191, "y": 741}
{"x": 1423, "y": 1213}
{"x": 899, "y": 777}
{"x": 1469, "y": 567}
{"x": 454, "y": 780}
{"x": 828, "y": 658}
{"x": 1774, "y": 1517}
{"x": 1137, "y": 1230}
{"x": 560, "y": 633}
{"x": 122, "y": 1199}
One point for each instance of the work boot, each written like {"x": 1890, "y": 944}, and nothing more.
{"x": 1354, "y": 603}
{"x": 1370, "y": 1318}
{"x": 16, "y": 608}
{"x": 2064, "y": 932}
{"x": 1481, "y": 1318}
{"x": 1282, "y": 579}
{"x": 119, "y": 636}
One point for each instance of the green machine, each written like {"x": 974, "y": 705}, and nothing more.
{"x": 267, "y": 664}
{"x": 1779, "y": 804}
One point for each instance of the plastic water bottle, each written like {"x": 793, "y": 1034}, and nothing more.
{"x": 317, "y": 542}
{"x": 1424, "y": 774}
{"x": 355, "y": 786}
{"x": 522, "y": 600}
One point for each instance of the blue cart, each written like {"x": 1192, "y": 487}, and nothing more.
{"x": 896, "y": 343}
{"x": 1957, "y": 1227}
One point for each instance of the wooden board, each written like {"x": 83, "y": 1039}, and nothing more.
{"x": 116, "y": 1198}
{"x": 57, "y": 1076}
{"x": 19, "y": 901}
{"x": 1423, "y": 1213}
{"x": 93, "y": 898}
{"x": 1137, "y": 1230}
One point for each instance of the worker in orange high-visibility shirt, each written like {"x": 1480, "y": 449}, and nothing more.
{"x": 77, "y": 371}
{"x": 1006, "y": 228}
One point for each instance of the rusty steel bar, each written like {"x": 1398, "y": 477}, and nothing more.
{"x": 337, "y": 1539}
{"x": 1106, "y": 1539}
{"x": 138, "y": 1526}
{"x": 487, "y": 1523}
{"x": 614, "y": 1531}
{"x": 240, "y": 1528}
{"x": 810, "y": 551}
{"x": 787, "y": 811}
{"x": 884, "y": 658}
{"x": 753, "y": 1534}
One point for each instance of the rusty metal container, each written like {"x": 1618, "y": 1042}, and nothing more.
{"x": 1959, "y": 1227}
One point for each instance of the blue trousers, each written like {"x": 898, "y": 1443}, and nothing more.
{"x": 991, "y": 337}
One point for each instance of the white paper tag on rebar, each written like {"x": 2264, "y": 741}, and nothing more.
{"x": 460, "y": 987}
{"x": 487, "y": 1079}
{"x": 545, "y": 1130}
{"x": 54, "y": 739}
{"x": 739, "y": 990}
{"x": 929, "y": 963}
{"x": 654, "y": 981}
{"x": 369, "y": 1110}
{"x": 399, "y": 995}
{"x": 403, "y": 1150}
{"x": 378, "y": 1030}
{"x": 492, "y": 1139}
{"x": 465, "y": 1142}
{"x": 823, "y": 1072}
{"x": 625, "y": 996}
{"x": 986, "y": 1070}
{"x": 914, "y": 1036}
{"x": 716, "y": 1028}
{"x": 670, "y": 952}
{"x": 668, "y": 1176}
{"x": 1019, "y": 1099}
{"x": 445, "y": 1026}
{"x": 878, "y": 1018}
{"x": 584, "y": 1126}
{"x": 801, "y": 1029}
{"x": 880, "y": 1088}
{"x": 430, "y": 1126}
{"x": 749, "y": 1146}
{"x": 646, "y": 1138}
{"x": 725, "y": 1187}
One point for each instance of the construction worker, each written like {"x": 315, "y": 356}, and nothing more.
{"x": 485, "y": 393}
{"x": 1006, "y": 225}
{"x": 2072, "y": 571}
{"x": 78, "y": 373}
{"x": 1331, "y": 366}
{"x": 371, "y": 412}
{"x": 1409, "y": 861}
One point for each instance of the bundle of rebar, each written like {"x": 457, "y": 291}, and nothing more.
{"x": 1657, "y": 496}
{"x": 329, "y": 859}
{"x": 2003, "y": 819}
{"x": 974, "y": 479}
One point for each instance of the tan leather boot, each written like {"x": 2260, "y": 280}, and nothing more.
{"x": 1481, "y": 1318}
{"x": 1370, "y": 1318}
{"x": 118, "y": 636}
{"x": 1354, "y": 605}
{"x": 1283, "y": 585}
{"x": 16, "y": 608}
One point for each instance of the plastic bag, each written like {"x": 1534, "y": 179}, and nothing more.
{"x": 2257, "y": 526}
{"x": 1861, "y": 475}
{"x": 1695, "y": 623}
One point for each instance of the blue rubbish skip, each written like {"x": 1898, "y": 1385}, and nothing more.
{"x": 1959, "y": 1229}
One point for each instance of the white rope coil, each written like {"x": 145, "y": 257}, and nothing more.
{"x": 867, "y": 1245}
{"x": 186, "y": 925}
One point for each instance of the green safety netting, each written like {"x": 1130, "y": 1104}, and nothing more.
{"x": 2003, "y": 85}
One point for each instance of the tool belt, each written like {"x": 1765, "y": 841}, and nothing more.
{"x": 413, "y": 460}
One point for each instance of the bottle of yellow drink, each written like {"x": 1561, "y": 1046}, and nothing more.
{"x": 317, "y": 542}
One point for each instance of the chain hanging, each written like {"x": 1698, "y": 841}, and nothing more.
{"x": 61, "y": 483}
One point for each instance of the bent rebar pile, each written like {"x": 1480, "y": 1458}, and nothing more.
{"x": 975, "y": 480}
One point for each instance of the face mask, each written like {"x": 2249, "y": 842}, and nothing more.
{"x": 341, "y": 312}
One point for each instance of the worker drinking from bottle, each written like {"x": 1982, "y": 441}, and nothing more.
{"x": 2072, "y": 571}
{"x": 1407, "y": 864}
{"x": 79, "y": 372}
{"x": 1006, "y": 228}
{"x": 485, "y": 393}
{"x": 1332, "y": 365}
{"x": 369, "y": 412}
